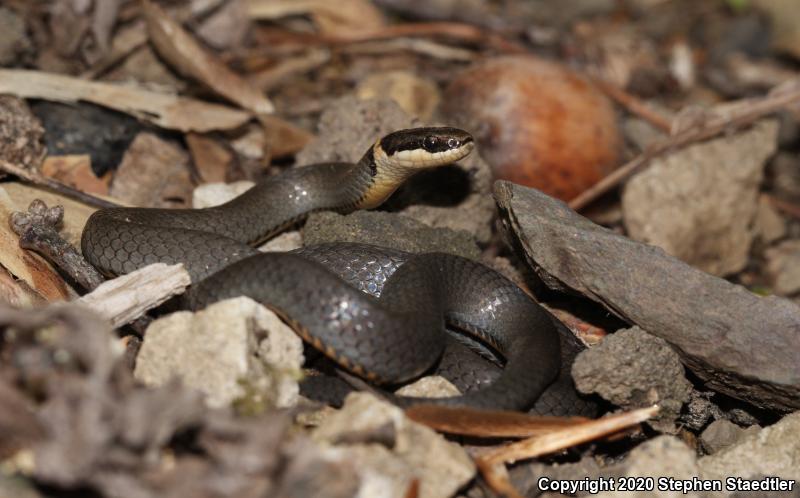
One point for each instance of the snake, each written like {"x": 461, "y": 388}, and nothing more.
{"x": 379, "y": 313}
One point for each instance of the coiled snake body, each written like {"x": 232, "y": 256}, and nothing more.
{"x": 379, "y": 313}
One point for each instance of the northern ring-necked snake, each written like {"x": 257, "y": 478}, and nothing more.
{"x": 379, "y": 313}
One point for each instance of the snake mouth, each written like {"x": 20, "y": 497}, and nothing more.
{"x": 422, "y": 159}
{"x": 421, "y": 148}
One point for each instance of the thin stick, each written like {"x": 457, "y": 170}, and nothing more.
{"x": 38, "y": 230}
{"x": 634, "y": 105}
{"x": 57, "y": 187}
{"x": 787, "y": 207}
{"x": 454, "y": 30}
{"x": 751, "y": 110}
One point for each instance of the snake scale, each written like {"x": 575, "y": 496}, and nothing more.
{"x": 379, "y": 313}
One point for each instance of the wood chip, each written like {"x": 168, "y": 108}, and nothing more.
{"x": 162, "y": 109}
{"x": 126, "y": 298}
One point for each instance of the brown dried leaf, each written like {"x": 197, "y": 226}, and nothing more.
{"x": 284, "y": 138}
{"x": 181, "y": 50}
{"x": 332, "y": 18}
{"x": 103, "y": 20}
{"x": 153, "y": 173}
{"x": 17, "y": 293}
{"x": 211, "y": 158}
{"x": 76, "y": 171}
{"x": 162, "y": 109}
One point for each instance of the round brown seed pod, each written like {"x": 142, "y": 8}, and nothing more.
{"x": 536, "y": 123}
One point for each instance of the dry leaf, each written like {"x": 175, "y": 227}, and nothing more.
{"x": 283, "y": 138}
{"x": 103, "y": 20}
{"x": 488, "y": 423}
{"x": 211, "y": 158}
{"x": 332, "y": 18}
{"x": 76, "y": 171}
{"x": 181, "y": 50}
{"x": 17, "y": 293}
{"x": 162, "y": 109}
{"x": 276, "y": 74}
{"x": 153, "y": 173}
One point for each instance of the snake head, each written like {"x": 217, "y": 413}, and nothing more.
{"x": 423, "y": 148}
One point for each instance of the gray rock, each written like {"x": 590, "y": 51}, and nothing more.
{"x": 13, "y": 37}
{"x": 769, "y": 224}
{"x": 783, "y": 267}
{"x": 785, "y": 175}
{"x": 451, "y": 197}
{"x": 418, "y": 453}
{"x": 699, "y": 203}
{"x": 664, "y": 456}
{"x": 721, "y": 434}
{"x": 387, "y": 230}
{"x": 472, "y": 210}
{"x": 634, "y": 369}
{"x": 741, "y": 344}
{"x": 231, "y": 350}
{"x": 214, "y": 194}
{"x": 525, "y": 476}
{"x": 432, "y": 386}
{"x": 350, "y": 126}
{"x": 641, "y": 132}
{"x": 772, "y": 451}
{"x": 699, "y": 410}
{"x": 284, "y": 242}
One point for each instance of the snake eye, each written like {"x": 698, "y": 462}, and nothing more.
{"x": 453, "y": 143}
{"x": 430, "y": 143}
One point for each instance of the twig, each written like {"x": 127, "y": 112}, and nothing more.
{"x": 747, "y": 112}
{"x": 787, "y": 207}
{"x": 634, "y": 105}
{"x": 453, "y": 30}
{"x": 420, "y": 46}
{"x": 57, "y": 187}
{"x": 567, "y": 437}
{"x": 491, "y": 463}
{"x": 270, "y": 78}
{"x": 38, "y": 231}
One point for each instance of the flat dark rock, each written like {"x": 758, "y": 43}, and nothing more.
{"x": 737, "y": 342}
{"x": 387, "y": 230}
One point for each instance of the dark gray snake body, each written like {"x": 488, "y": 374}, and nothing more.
{"x": 377, "y": 312}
